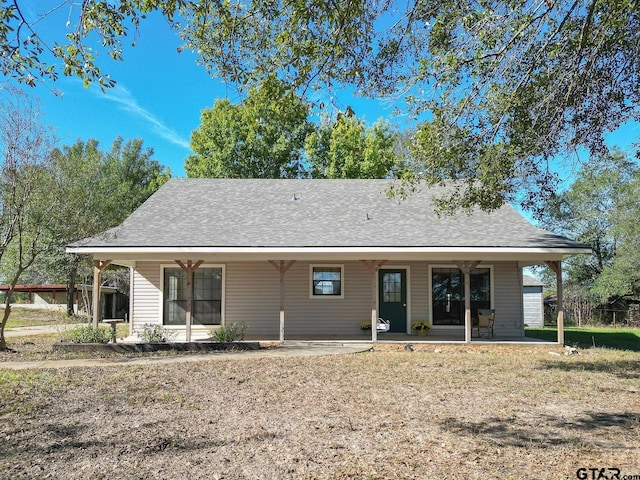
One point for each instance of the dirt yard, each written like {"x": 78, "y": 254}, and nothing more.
{"x": 472, "y": 413}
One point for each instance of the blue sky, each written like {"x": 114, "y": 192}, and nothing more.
{"x": 159, "y": 97}
{"x": 160, "y": 94}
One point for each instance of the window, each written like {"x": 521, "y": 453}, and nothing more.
{"x": 207, "y": 296}
{"x": 447, "y": 286}
{"x": 392, "y": 287}
{"x": 326, "y": 281}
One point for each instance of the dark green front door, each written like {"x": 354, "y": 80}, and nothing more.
{"x": 392, "y": 299}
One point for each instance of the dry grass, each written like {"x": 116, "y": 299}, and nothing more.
{"x": 486, "y": 412}
{"x": 28, "y": 317}
{"x": 40, "y": 347}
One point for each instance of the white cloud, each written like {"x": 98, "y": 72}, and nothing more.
{"x": 121, "y": 96}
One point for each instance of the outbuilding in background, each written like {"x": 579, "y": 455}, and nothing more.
{"x": 532, "y": 301}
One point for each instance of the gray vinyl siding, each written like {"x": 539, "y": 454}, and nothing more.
{"x": 146, "y": 295}
{"x": 507, "y": 297}
{"x": 533, "y": 306}
{"x": 327, "y": 315}
{"x": 252, "y": 296}
{"x": 419, "y": 288}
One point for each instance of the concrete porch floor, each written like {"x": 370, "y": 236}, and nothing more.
{"x": 400, "y": 338}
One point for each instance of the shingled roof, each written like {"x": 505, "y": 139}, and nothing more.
{"x": 255, "y": 213}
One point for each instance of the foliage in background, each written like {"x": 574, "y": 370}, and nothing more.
{"x": 269, "y": 135}
{"x": 622, "y": 277}
{"x": 347, "y": 148}
{"x": 590, "y": 212}
{"x": 29, "y": 204}
{"x": 600, "y": 209}
{"x": 261, "y": 137}
{"x": 505, "y": 86}
{"x": 98, "y": 190}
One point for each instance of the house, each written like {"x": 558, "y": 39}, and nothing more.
{"x": 314, "y": 258}
{"x": 532, "y": 301}
{"x": 53, "y": 296}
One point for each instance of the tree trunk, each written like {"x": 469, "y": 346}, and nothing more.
{"x": 7, "y": 308}
{"x": 5, "y": 318}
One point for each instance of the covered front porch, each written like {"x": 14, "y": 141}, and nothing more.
{"x": 327, "y": 301}
{"x": 389, "y": 286}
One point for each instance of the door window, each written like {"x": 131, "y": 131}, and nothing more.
{"x": 392, "y": 287}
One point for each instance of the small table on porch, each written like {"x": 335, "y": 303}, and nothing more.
{"x": 113, "y": 322}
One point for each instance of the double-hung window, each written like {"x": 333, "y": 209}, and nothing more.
{"x": 207, "y": 296}
{"x": 326, "y": 281}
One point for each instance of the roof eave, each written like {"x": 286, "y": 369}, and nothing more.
{"x": 130, "y": 255}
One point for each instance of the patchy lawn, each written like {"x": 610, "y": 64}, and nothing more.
{"x": 607, "y": 337}
{"x": 28, "y": 317}
{"x": 473, "y": 412}
{"x": 40, "y": 347}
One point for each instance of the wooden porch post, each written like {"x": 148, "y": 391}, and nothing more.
{"x": 131, "y": 287}
{"x": 282, "y": 267}
{"x": 98, "y": 268}
{"x": 189, "y": 268}
{"x": 557, "y": 268}
{"x": 466, "y": 268}
{"x": 374, "y": 267}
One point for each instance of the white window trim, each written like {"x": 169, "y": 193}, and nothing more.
{"x": 342, "y": 282}
{"x": 430, "y": 291}
{"x": 222, "y": 302}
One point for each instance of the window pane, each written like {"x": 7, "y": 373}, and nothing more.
{"x": 175, "y": 303}
{"x": 480, "y": 290}
{"x": 448, "y": 294}
{"x": 207, "y": 296}
{"x": 392, "y": 288}
{"x": 327, "y": 281}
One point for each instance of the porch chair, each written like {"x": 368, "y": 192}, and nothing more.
{"x": 485, "y": 322}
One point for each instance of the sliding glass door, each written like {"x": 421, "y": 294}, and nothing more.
{"x": 447, "y": 297}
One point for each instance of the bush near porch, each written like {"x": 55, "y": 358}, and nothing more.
{"x": 607, "y": 337}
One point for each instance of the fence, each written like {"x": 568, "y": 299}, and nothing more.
{"x": 580, "y": 312}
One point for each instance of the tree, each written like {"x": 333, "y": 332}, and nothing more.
{"x": 621, "y": 278}
{"x": 346, "y": 148}
{"x": 601, "y": 209}
{"x": 100, "y": 189}
{"x": 27, "y": 204}
{"x": 129, "y": 175}
{"x": 505, "y": 86}
{"x": 261, "y": 137}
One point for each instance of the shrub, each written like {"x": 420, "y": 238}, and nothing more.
{"x": 230, "y": 333}
{"x": 155, "y": 334}
{"x": 85, "y": 334}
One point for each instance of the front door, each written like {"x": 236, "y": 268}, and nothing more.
{"x": 392, "y": 298}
